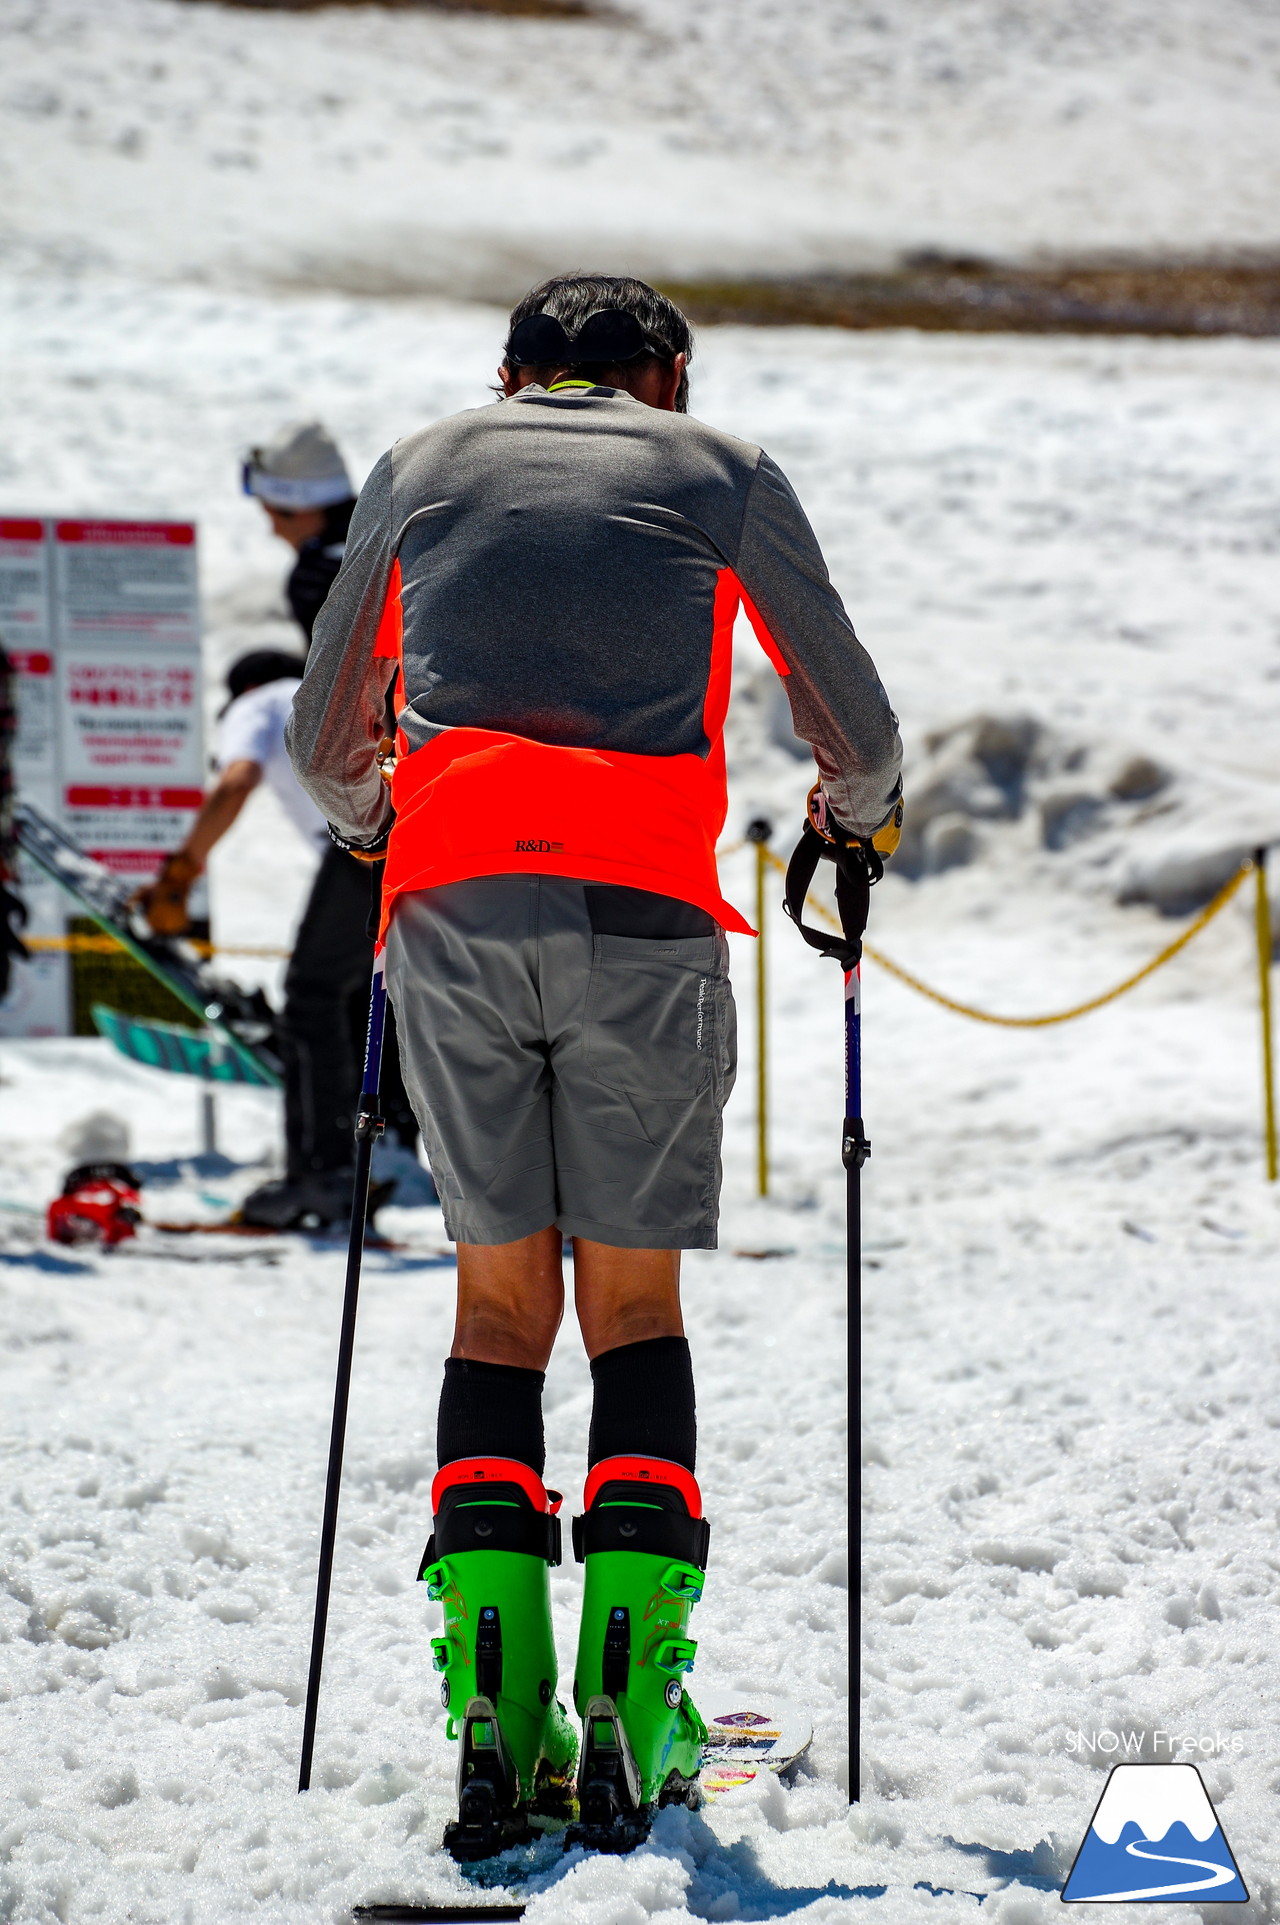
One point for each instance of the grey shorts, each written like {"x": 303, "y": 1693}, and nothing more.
{"x": 565, "y": 1073}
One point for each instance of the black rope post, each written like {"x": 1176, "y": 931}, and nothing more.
{"x": 1262, "y": 923}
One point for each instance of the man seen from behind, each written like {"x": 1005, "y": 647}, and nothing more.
{"x": 548, "y": 587}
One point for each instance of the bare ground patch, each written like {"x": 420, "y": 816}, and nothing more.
{"x": 960, "y": 294}
{"x": 515, "y": 9}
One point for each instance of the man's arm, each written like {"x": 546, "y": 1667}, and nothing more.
{"x": 838, "y": 703}
{"x": 338, "y": 713}
{"x": 220, "y": 808}
{"x": 164, "y": 901}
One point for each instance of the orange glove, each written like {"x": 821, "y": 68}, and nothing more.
{"x": 889, "y": 834}
{"x": 884, "y": 839}
{"x": 164, "y": 901}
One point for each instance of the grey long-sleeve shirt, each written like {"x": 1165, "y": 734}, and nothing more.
{"x": 569, "y": 565}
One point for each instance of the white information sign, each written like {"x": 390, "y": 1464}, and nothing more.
{"x": 101, "y": 620}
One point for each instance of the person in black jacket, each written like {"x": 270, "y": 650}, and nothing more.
{"x": 302, "y": 482}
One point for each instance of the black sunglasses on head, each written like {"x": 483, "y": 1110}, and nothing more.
{"x": 609, "y": 337}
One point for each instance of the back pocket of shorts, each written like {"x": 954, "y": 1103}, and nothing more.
{"x": 653, "y": 1013}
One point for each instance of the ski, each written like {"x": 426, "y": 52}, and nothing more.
{"x": 229, "y": 1227}
{"x": 743, "y": 1741}
{"x": 434, "y": 1914}
{"x": 216, "y": 1227}
{"x": 747, "y": 1738}
{"x": 239, "y": 1019}
{"x": 168, "y": 1046}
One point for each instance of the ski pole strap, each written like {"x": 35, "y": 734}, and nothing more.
{"x": 857, "y": 866}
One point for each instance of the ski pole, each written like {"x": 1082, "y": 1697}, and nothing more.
{"x": 759, "y": 832}
{"x": 854, "y": 1151}
{"x": 369, "y": 1126}
{"x": 857, "y": 866}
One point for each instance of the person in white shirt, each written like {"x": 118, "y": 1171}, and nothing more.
{"x": 251, "y": 744}
{"x": 326, "y": 987}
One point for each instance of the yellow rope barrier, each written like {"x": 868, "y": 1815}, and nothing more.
{"x": 71, "y": 945}
{"x": 1179, "y": 942}
{"x": 107, "y": 945}
{"x": 104, "y": 945}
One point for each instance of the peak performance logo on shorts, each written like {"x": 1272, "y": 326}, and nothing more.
{"x": 536, "y": 847}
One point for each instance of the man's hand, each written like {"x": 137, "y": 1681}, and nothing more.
{"x": 164, "y": 901}
{"x": 884, "y": 840}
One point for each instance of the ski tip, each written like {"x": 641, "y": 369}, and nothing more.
{"x": 406, "y": 1914}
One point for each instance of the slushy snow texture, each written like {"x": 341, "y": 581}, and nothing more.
{"x": 1071, "y": 1449}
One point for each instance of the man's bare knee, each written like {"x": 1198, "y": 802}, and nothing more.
{"x": 500, "y": 1333}
{"x": 510, "y": 1301}
{"x": 625, "y": 1296}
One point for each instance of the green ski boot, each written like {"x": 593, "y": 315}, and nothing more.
{"x": 494, "y": 1539}
{"x": 643, "y": 1539}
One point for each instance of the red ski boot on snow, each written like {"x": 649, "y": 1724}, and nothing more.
{"x": 99, "y": 1204}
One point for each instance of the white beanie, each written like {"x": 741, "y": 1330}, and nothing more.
{"x": 299, "y": 468}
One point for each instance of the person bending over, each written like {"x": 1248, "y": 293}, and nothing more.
{"x": 326, "y": 987}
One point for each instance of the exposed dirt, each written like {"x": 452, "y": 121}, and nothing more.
{"x": 526, "y": 9}
{"x": 970, "y": 295}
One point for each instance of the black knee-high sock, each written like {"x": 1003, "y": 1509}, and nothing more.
{"x": 643, "y": 1404}
{"x": 490, "y": 1410}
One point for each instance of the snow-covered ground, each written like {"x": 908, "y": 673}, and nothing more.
{"x": 1072, "y": 1426}
{"x": 1071, "y": 1332}
{"x": 390, "y": 150}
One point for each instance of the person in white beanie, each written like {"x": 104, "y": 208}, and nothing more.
{"x": 301, "y": 480}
